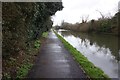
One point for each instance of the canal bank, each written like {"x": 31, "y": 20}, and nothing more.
{"x": 101, "y": 50}
{"x": 91, "y": 70}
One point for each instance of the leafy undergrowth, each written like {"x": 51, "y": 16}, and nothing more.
{"x": 37, "y": 44}
{"x": 91, "y": 70}
{"x": 17, "y": 67}
{"x": 45, "y": 34}
{"x": 24, "y": 70}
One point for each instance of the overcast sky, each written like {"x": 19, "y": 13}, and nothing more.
{"x": 74, "y": 10}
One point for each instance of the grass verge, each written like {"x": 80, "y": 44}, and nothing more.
{"x": 91, "y": 70}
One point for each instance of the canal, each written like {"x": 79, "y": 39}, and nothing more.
{"x": 101, "y": 50}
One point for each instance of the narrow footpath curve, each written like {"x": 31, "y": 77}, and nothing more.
{"x": 54, "y": 61}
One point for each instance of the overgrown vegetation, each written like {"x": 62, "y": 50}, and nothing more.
{"x": 91, "y": 70}
{"x": 23, "y": 23}
{"x": 107, "y": 25}
{"x": 17, "y": 67}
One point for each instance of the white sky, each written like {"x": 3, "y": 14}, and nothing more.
{"x": 74, "y": 10}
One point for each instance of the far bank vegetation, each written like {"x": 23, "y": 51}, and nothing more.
{"x": 106, "y": 25}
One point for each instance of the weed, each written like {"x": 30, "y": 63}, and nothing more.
{"x": 37, "y": 44}
{"x": 45, "y": 34}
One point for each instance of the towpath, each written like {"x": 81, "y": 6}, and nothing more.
{"x": 54, "y": 61}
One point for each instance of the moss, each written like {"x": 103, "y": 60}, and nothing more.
{"x": 91, "y": 70}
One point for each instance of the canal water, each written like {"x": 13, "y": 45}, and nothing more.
{"x": 101, "y": 50}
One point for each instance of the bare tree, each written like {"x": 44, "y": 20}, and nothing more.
{"x": 101, "y": 14}
{"x": 85, "y": 19}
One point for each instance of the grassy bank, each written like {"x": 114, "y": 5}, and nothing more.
{"x": 18, "y": 66}
{"x": 91, "y": 70}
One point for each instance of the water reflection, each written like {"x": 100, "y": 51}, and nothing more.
{"x": 101, "y": 50}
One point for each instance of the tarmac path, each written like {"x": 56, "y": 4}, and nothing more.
{"x": 54, "y": 61}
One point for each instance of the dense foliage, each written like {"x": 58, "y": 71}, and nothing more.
{"x": 23, "y": 23}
